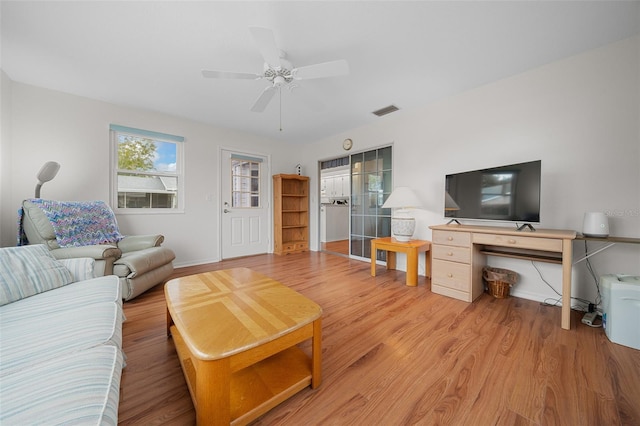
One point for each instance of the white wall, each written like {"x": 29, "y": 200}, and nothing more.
{"x": 49, "y": 125}
{"x": 7, "y": 219}
{"x": 578, "y": 115}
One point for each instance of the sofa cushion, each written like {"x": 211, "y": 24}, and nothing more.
{"x": 69, "y": 297}
{"x": 29, "y": 270}
{"x": 80, "y": 388}
{"x": 38, "y": 338}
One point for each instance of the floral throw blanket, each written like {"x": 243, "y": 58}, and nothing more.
{"x": 78, "y": 223}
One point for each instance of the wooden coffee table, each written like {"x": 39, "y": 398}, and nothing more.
{"x": 236, "y": 332}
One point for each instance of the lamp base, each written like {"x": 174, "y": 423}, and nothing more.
{"x": 402, "y": 228}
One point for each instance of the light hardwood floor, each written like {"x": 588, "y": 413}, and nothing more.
{"x": 398, "y": 355}
{"x": 340, "y": 247}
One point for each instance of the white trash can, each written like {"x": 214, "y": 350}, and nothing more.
{"x": 621, "y": 309}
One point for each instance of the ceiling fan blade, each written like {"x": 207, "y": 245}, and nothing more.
{"x": 266, "y": 42}
{"x": 230, "y": 74}
{"x": 264, "y": 99}
{"x": 325, "y": 69}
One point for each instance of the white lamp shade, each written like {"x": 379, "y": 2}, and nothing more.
{"x": 402, "y": 197}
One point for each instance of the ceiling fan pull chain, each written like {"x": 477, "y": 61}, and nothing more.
{"x": 280, "y": 90}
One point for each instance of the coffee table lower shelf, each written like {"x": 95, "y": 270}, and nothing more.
{"x": 257, "y": 388}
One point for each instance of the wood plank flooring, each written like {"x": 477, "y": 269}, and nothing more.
{"x": 340, "y": 246}
{"x": 398, "y": 355}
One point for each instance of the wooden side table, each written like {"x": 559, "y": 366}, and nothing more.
{"x": 410, "y": 248}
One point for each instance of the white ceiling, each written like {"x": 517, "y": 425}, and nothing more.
{"x": 149, "y": 54}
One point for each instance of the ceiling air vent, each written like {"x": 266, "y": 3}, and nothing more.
{"x": 386, "y": 110}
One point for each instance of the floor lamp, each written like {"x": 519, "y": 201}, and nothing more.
{"x": 46, "y": 173}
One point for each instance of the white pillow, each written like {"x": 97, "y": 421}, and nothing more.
{"x": 81, "y": 268}
{"x": 29, "y": 270}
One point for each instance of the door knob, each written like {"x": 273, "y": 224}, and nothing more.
{"x": 227, "y": 211}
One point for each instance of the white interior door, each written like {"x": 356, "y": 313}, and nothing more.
{"x": 245, "y": 204}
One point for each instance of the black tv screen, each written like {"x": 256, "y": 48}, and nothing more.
{"x": 506, "y": 193}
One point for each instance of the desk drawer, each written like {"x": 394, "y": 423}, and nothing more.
{"x": 452, "y": 275}
{"x": 454, "y": 254}
{"x": 451, "y": 238}
{"x": 533, "y": 243}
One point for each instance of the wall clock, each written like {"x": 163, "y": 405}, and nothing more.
{"x": 347, "y": 144}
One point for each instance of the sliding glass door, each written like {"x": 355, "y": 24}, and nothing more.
{"x": 371, "y": 184}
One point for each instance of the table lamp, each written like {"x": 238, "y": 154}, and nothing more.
{"x": 403, "y": 224}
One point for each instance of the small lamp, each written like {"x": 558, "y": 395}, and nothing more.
{"x": 46, "y": 173}
{"x": 403, "y": 224}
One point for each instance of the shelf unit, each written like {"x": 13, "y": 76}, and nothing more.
{"x": 290, "y": 213}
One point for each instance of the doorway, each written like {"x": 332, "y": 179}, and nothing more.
{"x": 244, "y": 202}
{"x": 365, "y": 186}
{"x": 335, "y": 189}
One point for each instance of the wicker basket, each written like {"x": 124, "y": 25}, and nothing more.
{"x": 499, "y": 289}
{"x": 499, "y": 281}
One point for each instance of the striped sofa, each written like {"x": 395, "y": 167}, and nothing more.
{"x": 60, "y": 340}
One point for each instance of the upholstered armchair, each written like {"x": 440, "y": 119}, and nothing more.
{"x": 89, "y": 229}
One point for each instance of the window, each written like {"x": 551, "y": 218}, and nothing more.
{"x": 245, "y": 182}
{"x": 147, "y": 170}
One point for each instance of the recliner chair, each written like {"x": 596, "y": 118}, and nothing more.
{"x": 138, "y": 260}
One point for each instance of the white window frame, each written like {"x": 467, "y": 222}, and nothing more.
{"x": 250, "y": 193}
{"x": 114, "y": 132}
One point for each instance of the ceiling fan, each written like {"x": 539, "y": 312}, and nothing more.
{"x": 278, "y": 71}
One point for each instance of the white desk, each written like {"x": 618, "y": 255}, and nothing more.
{"x": 459, "y": 253}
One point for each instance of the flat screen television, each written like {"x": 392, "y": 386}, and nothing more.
{"x": 505, "y": 193}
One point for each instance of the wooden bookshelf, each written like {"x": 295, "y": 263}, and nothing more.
{"x": 290, "y": 213}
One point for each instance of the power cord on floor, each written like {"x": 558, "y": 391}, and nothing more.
{"x": 599, "y": 325}
{"x": 558, "y": 301}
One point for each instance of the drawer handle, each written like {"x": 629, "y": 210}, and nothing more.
{"x": 450, "y": 238}
{"x": 512, "y": 241}
{"x": 449, "y": 254}
{"x": 450, "y": 275}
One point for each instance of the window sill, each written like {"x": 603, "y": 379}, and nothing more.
{"x": 147, "y": 211}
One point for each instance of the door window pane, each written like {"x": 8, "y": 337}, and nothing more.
{"x": 245, "y": 183}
